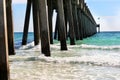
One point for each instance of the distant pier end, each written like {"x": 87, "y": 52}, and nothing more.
{"x": 98, "y": 27}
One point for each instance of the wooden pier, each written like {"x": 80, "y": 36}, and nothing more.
{"x": 74, "y": 21}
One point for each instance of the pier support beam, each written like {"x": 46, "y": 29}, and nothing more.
{"x": 26, "y": 24}
{"x": 50, "y": 15}
{"x": 75, "y": 19}
{"x": 57, "y": 34}
{"x": 4, "y": 66}
{"x": 80, "y": 23}
{"x": 56, "y": 29}
{"x": 71, "y": 22}
{"x": 61, "y": 24}
{"x": 44, "y": 27}
{"x": 36, "y": 21}
{"x": 10, "y": 27}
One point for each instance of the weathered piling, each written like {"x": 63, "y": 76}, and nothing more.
{"x": 88, "y": 21}
{"x": 56, "y": 28}
{"x": 72, "y": 12}
{"x": 61, "y": 19}
{"x": 50, "y": 15}
{"x": 10, "y": 27}
{"x": 79, "y": 13}
{"x": 83, "y": 18}
{"x": 57, "y": 32}
{"x": 36, "y": 22}
{"x": 26, "y": 24}
{"x": 66, "y": 18}
{"x": 75, "y": 19}
{"x": 44, "y": 27}
{"x": 71, "y": 22}
{"x": 4, "y": 66}
{"x": 86, "y": 27}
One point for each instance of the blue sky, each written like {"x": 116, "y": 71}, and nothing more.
{"x": 107, "y": 10}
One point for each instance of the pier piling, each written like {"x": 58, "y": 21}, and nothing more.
{"x": 71, "y": 22}
{"x": 4, "y": 65}
{"x": 26, "y": 24}
{"x": 10, "y": 27}
{"x": 44, "y": 27}
{"x": 50, "y": 15}
{"x": 75, "y": 19}
{"x": 61, "y": 20}
{"x": 36, "y": 22}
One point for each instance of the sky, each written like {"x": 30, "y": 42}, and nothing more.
{"x": 105, "y": 12}
{"x": 108, "y": 11}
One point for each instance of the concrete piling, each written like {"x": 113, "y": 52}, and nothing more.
{"x": 36, "y": 22}
{"x": 75, "y": 19}
{"x": 44, "y": 27}
{"x": 56, "y": 28}
{"x": 71, "y": 22}
{"x": 50, "y": 15}
{"x": 61, "y": 20}
{"x": 80, "y": 23}
{"x": 26, "y": 24}
{"x": 10, "y": 31}
{"x": 4, "y": 65}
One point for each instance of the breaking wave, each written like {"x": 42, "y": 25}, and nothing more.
{"x": 96, "y": 59}
{"x": 108, "y": 61}
{"x": 84, "y": 46}
{"x": 100, "y": 47}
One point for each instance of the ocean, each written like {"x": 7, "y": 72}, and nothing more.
{"x": 94, "y": 58}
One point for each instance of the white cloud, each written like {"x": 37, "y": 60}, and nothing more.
{"x": 109, "y": 23}
{"x": 113, "y": 22}
{"x": 19, "y": 1}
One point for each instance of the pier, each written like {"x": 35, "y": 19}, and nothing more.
{"x": 74, "y": 21}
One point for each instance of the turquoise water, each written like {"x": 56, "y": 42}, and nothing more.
{"x": 94, "y": 58}
{"x": 18, "y": 38}
{"x": 99, "y": 39}
{"x": 104, "y": 39}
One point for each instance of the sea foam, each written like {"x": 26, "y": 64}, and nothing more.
{"x": 95, "y": 58}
